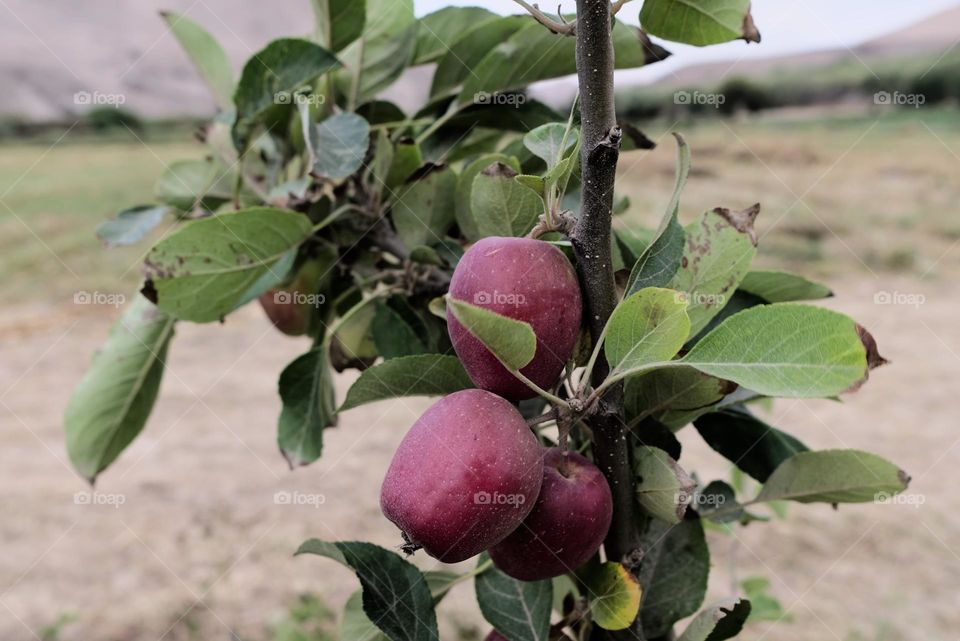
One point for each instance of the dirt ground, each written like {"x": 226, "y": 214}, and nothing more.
{"x": 186, "y": 537}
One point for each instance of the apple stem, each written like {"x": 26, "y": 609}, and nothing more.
{"x": 564, "y": 466}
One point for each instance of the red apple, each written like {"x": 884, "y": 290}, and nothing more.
{"x": 494, "y": 636}
{"x": 528, "y": 280}
{"x": 567, "y": 525}
{"x": 290, "y": 306}
{"x": 464, "y": 477}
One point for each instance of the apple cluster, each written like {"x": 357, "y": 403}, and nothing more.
{"x": 470, "y": 475}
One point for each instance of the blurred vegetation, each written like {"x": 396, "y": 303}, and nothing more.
{"x": 103, "y": 119}
{"x": 849, "y": 80}
{"x": 100, "y": 124}
{"x": 308, "y": 619}
{"x": 883, "y": 180}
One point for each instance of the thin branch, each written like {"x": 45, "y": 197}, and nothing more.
{"x": 561, "y": 28}
{"x": 599, "y": 152}
{"x": 547, "y": 417}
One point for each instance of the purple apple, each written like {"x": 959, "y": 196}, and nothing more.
{"x": 528, "y": 280}
{"x": 464, "y": 477}
{"x": 567, "y": 525}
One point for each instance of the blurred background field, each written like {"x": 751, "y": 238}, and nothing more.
{"x": 841, "y": 194}
{"x": 861, "y": 195}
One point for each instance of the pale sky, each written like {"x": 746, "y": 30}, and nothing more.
{"x": 787, "y": 26}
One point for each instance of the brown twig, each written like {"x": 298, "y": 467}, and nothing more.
{"x": 561, "y": 28}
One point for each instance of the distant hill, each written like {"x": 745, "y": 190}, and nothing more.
{"x": 49, "y": 51}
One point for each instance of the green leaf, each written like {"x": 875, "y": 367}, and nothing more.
{"x": 186, "y": 184}
{"x": 420, "y": 375}
{"x": 717, "y": 255}
{"x": 395, "y": 593}
{"x": 746, "y": 441}
{"x": 614, "y": 595}
{"x": 272, "y": 75}
{"x": 700, "y": 23}
{"x": 664, "y": 489}
{"x": 535, "y": 183}
{"x": 130, "y": 226}
{"x": 309, "y": 407}
{"x": 466, "y": 221}
{"x": 441, "y": 582}
{"x": 672, "y": 396}
{"x": 559, "y": 174}
{"x": 397, "y": 334}
{"x": 834, "y": 476}
{"x": 676, "y": 563}
{"x": 551, "y": 142}
{"x": 740, "y": 301}
{"x": 424, "y": 209}
{"x": 202, "y": 270}
{"x": 207, "y": 56}
{"x": 407, "y": 158}
{"x": 338, "y": 144}
{"x": 763, "y": 605}
{"x": 720, "y": 621}
{"x": 648, "y": 327}
{"x": 356, "y": 625}
{"x": 338, "y": 22}
{"x": 501, "y": 206}
{"x": 653, "y": 434}
{"x": 661, "y": 257}
{"x": 384, "y": 50}
{"x": 511, "y": 341}
{"x": 782, "y": 287}
{"x": 533, "y": 53}
{"x": 425, "y": 255}
{"x": 660, "y": 261}
{"x": 718, "y": 502}
{"x": 439, "y": 30}
{"x": 110, "y": 405}
{"x": 784, "y": 349}
{"x": 465, "y": 54}
{"x": 519, "y": 610}
{"x": 278, "y": 274}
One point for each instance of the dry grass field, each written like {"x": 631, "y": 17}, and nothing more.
{"x": 192, "y": 543}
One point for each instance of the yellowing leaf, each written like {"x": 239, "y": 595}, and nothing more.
{"x": 614, "y": 595}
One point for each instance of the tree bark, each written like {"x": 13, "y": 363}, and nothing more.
{"x": 600, "y": 149}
